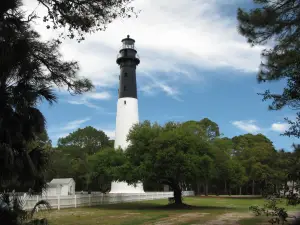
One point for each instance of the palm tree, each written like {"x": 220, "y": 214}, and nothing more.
{"x": 20, "y": 119}
{"x": 12, "y": 212}
{"x": 29, "y": 69}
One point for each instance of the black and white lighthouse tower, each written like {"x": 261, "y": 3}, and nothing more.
{"x": 127, "y": 106}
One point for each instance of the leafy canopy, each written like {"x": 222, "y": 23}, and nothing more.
{"x": 168, "y": 154}
{"x": 89, "y": 138}
{"x": 76, "y": 17}
{"x": 76, "y": 156}
{"x": 29, "y": 71}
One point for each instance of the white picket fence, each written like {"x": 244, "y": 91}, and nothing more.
{"x": 94, "y": 199}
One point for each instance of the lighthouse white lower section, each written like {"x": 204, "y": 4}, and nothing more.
{"x": 127, "y": 116}
{"x": 123, "y": 187}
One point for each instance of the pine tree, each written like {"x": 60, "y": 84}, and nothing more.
{"x": 277, "y": 23}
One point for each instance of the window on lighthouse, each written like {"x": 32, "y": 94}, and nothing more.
{"x": 125, "y": 74}
{"x": 124, "y": 88}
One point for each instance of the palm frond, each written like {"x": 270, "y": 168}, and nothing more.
{"x": 40, "y": 158}
{"x": 46, "y": 93}
{"x": 38, "y": 205}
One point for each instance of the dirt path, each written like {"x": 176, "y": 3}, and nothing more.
{"x": 224, "y": 219}
{"x": 180, "y": 218}
{"x": 228, "y": 219}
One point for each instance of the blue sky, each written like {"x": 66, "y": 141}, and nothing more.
{"x": 194, "y": 64}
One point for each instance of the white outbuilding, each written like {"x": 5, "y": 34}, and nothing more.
{"x": 61, "y": 186}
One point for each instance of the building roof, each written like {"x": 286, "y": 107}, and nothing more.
{"x": 50, "y": 185}
{"x": 61, "y": 181}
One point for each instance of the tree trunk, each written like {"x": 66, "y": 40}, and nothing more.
{"x": 198, "y": 188}
{"x": 225, "y": 190}
{"x": 253, "y": 187}
{"x": 206, "y": 188}
{"x": 240, "y": 190}
{"x": 177, "y": 196}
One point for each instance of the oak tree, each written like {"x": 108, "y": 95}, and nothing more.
{"x": 168, "y": 155}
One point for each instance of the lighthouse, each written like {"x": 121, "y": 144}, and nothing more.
{"x": 127, "y": 106}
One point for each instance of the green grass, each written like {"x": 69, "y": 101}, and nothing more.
{"x": 206, "y": 209}
{"x": 252, "y": 221}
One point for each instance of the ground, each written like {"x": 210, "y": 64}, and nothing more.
{"x": 209, "y": 211}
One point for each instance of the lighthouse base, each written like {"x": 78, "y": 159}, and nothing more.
{"x": 123, "y": 187}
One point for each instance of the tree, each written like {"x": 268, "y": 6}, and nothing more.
{"x": 29, "y": 70}
{"x": 72, "y": 156}
{"x": 236, "y": 175}
{"x": 204, "y": 127}
{"x": 251, "y": 149}
{"x": 12, "y": 213}
{"x": 41, "y": 139}
{"x": 166, "y": 154}
{"x": 77, "y": 17}
{"x": 104, "y": 167}
{"x": 279, "y": 214}
{"x": 88, "y": 139}
{"x": 222, "y": 151}
{"x": 205, "y": 167}
{"x": 277, "y": 23}
{"x": 211, "y": 128}
{"x": 59, "y": 165}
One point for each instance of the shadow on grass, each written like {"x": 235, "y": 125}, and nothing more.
{"x": 153, "y": 206}
{"x": 230, "y": 197}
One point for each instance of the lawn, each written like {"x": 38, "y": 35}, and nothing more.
{"x": 209, "y": 211}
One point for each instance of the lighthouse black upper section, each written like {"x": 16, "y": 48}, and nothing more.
{"x": 127, "y": 60}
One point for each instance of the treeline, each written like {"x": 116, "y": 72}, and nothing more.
{"x": 189, "y": 155}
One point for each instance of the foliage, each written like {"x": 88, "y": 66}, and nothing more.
{"x": 76, "y": 18}
{"x": 245, "y": 164}
{"x": 210, "y": 128}
{"x": 279, "y": 214}
{"x": 255, "y": 153}
{"x": 30, "y": 69}
{"x": 81, "y": 17}
{"x": 104, "y": 166}
{"x": 76, "y": 156}
{"x": 277, "y": 23}
{"x": 12, "y": 212}
{"x": 89, "y": 139}
{"x": 168, "y": 154}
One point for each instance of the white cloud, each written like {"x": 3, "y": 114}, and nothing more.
{"x": 55, "y": 137}
{"x": 72, "y": 125}
{"x": 168, "y": 89}
{"x": 97, "y": 95}
{"x": 168, "y": 36}
{"x": 81, "y": 101}
{"x": 110, "y": 133}
{"x": 62, "y": 130}
{"x": 150, "y": 89}
{"x": 248, "y": 126}
{"x": 85, "y": 99}
{"x": 108, "y": 130}
{"x": 279, "y": 127}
